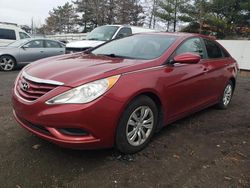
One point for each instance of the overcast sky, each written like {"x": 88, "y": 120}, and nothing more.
{"x": 22, "y": 11}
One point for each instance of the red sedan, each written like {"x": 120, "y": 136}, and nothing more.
{"x": 120, "y": 93}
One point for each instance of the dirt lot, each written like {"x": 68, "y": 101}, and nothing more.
{"x": 208, "y": 149}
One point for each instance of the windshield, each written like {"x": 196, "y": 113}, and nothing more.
{"x": 103, "y": 33}
{"x": 18, "y": 43}
{"x": 144, "y": 46}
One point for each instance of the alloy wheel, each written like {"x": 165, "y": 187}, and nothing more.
{"x": 139, "y": 125}
{"x": 227, "y": 94}
{"x": 7, "y": 64}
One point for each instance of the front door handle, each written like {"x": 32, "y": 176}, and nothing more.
{"x": 205, "y": 70}
{"x": 41, "y": 51}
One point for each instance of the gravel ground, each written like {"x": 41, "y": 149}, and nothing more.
{"x": 208, "y": 149}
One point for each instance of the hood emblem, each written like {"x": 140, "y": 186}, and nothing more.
{"x": 25, "y": 86}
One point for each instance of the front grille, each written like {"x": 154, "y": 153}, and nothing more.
{"x": 30, "y": 90}
{"x": 74, "y": 50}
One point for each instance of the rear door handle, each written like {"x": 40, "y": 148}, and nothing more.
{"x": 41, "y": 51}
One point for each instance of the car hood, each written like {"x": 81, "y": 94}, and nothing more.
{"x": 84, "y": 44}
{"x": 77, "y": 69}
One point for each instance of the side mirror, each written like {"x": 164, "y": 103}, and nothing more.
{"x": 187, "y": 58}
{"x": 87, "y": 51}
{"x": 121, "y": 35}
{"x": 25, "y": 46}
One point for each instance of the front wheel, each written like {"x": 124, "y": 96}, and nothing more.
{"x": 137, "y": 125}
{"x": 7, "y": 63}
{"x": 227, "y": 96}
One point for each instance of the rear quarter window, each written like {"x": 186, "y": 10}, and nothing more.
{"x": 7, "y": 34}
{"x": 225, "y": 53}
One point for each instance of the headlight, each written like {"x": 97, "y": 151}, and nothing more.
{"x": 85, "y": 93}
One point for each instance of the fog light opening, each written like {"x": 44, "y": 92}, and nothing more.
{"x": 73, "y": 132}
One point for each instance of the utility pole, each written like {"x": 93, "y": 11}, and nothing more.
{"x": 175, "y": 14}
{"x": 152, "y": 16}
{"x": 201, "y": 12}
{"x": 32, "y": 26}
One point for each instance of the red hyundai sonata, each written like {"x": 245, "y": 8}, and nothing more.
{"x": 120, "y": 93}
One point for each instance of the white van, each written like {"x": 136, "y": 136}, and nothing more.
{"x": 103, "y": 34}
{"x": 10, "y": 33}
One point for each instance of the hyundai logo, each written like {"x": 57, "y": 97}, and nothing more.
{"x": 25, "y": 86}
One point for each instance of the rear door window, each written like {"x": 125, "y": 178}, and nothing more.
{"x": 7, "y": 34}
{"x": 213, "y": 50}
{"x": 52, "y": 44}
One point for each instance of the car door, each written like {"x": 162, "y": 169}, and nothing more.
{"x": 218, "y": 61}
{"x": 53, "y": 48}
{"x": 187, "y": 85}
{"x": 32, "y": 51}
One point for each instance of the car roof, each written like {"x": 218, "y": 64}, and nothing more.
{"x": 179, "y": 34}
{"x": 132, "y": 27}
{"x": 30, "y": 39}
{"x": 11, "y": 26}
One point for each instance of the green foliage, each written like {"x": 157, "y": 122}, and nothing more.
{"x": 228, "y": 15}
{"x": 223, "y": 17}
{"x": 92, "y": 13}
{"x": 170, "y": 11}
{"x": 220, "y": 17}
{"x": 61, "y": 19}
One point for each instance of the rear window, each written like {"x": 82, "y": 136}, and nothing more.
{"x": 7, "y": 34}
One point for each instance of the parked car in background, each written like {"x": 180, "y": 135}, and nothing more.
{"x": 103, "y": 34}
{"x": 28, "y": 50}
{"x": 64, "y": 41}
{"x": 10, "y": 33}
{"x": 120, "y": 93}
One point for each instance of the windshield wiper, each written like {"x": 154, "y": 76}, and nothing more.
{"x": 109, "y": 55}
{"x": 114, "y": 55}
{"x": 93, "y": 39}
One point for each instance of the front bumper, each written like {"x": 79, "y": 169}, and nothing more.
{"x": 97, "y": 119}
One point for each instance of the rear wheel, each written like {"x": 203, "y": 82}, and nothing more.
{"x": 7, "y": 63}
{"x": 137, "y": 125}
{"x": 227, "y": 96}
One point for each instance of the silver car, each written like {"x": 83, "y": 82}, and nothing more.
{"x": 28, "y": 50}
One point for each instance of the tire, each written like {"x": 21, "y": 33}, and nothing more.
{"x": 226, "y": 96}
{"x": 7, "y": 63}
{"x": 137, "y": 125}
